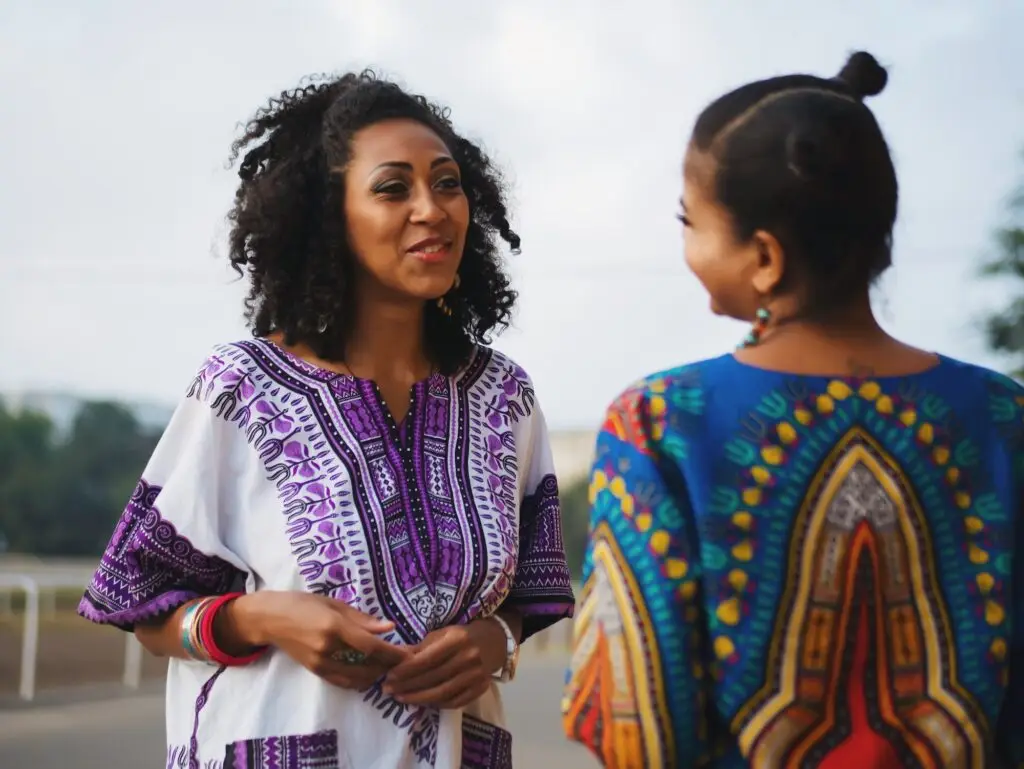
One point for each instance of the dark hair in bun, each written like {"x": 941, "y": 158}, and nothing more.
{"x": 863, "y": 75}
{"x": 802, "y": 157}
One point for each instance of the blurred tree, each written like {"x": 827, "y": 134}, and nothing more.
{"x": 96, "y": 471}
{"x": 26, "y": 456}
{"x": 575, "y": 523}
{"x": 1005, "y": 329}
{"x": 64, "y": 498}
{"x": 24, "y": 437}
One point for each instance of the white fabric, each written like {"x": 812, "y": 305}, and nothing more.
{"x": 248, "y": 484}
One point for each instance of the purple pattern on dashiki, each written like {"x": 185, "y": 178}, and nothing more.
{"x": 306, "y": 751}
{"x": 436, "y": 497}
{"x": 177, "y": 758}
{"x": 542, "y": 588}
{"x": 149, "y": 569}
{"x": 281, "y": 424}
{"x": 421, "y": 524}
{"x": 201, "y": 700}
{"x": 414, "y": 524}
{"x": 504, "y": 399}
{"x": 484, "y": 745}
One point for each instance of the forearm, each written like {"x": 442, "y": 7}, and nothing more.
{"x": 162, "y": 636}
{"x": 514, "y": 620}
{"x": 496, "y": 648}
{"x": 236, "y": 629}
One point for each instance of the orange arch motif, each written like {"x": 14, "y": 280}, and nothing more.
{"x": 862, "y": 670}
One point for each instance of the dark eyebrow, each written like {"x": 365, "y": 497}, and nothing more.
{"x": 682, "y": 204}
{"x": 439, "y": 161}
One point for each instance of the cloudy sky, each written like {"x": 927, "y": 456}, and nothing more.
{"x": 116, "y": 118}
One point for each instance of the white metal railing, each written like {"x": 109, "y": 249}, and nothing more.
{"x": 34, "y": 586}
{"x": 30, "y": 632}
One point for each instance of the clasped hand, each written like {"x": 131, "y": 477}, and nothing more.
{"x": 450, "y": 668}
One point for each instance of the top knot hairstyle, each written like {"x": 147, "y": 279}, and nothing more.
{"x": 288, "y": 226}
{"x": 803, "y": 158}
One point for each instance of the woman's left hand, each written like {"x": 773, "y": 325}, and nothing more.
{"x": 451, "y": 667}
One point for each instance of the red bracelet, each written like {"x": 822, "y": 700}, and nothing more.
{"x": 218, "y": 655}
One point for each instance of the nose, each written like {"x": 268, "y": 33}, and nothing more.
{"x": 425, "y": 208}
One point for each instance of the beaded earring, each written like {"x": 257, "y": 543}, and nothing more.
{"x": 753, "y": 336}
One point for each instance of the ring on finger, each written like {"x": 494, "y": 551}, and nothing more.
{"x": 349, "y": 656}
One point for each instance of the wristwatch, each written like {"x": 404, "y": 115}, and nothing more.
{"x": 508, "y": 670}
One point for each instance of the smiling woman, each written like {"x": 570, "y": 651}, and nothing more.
{"x": 407, "y": 218}
{"x": 352, "y": 521}
{"x": 339, "y": 179}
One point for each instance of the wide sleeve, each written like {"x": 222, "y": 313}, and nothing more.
{"x": 168, "y": 545}
{"x": 636, "y": 691}
{"x": 541, "y": 590}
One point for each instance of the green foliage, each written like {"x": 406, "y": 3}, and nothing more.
{"x": 1005, "y": 329}
{"x": 575, "y": 523}
{"x": 63, "y": 497}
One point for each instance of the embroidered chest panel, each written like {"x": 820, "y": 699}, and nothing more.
{"x": 418, "y": 522}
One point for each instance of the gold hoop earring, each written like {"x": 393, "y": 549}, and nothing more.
{"x": 442, "y": 305}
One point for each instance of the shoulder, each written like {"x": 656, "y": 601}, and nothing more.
{"x": 219, "y": 395}
{"x": 993, "y": 381}
{"x": 657, "y": 393}
{"x": 492, "y": 374}
{"x": 664, "y": 402}
{"x": 497, "y": 365}
{"x": 1001, "y": 395}
{"x": 229, "y": 368}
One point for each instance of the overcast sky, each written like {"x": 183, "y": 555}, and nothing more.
{"x": 116, "y": 118}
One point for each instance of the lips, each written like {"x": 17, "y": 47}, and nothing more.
{"x": 431, "y": 250}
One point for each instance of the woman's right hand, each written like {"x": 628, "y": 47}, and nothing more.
{"x": 315, "y": 631}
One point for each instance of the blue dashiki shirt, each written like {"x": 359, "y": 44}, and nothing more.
{"x": 802, "y": 571}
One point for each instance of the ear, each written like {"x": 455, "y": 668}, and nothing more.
{"x": 770, "y": 264}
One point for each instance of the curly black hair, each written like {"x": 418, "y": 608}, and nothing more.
{"x": 288, "y": 223}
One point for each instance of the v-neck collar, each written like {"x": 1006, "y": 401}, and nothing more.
{"x": 395, "y": 428}
{"x": 435, "y": 378}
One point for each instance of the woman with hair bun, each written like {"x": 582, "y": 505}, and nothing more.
{"x": 808, "y": 552}
{"x": 352, "y": 522}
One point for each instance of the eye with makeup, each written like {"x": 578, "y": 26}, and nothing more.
{"x": 397, "y": 188}
{"x": 449, "y": 182}
{"x": 390, "y": 188}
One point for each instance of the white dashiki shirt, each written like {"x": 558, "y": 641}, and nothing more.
{"x": 275, "y": 474}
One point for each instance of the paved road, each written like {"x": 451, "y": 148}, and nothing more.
{"x": 128, "y": 733}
